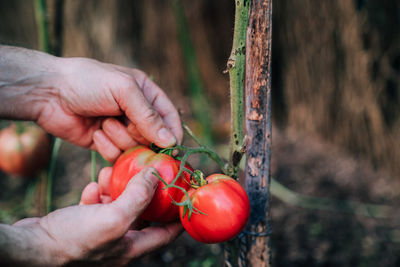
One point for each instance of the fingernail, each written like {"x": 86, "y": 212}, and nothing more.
{"x": 151, "y": 177}
{"x": 166, "y": 137}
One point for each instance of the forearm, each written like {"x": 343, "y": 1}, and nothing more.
{"x": 27, "y": 79}
{"x": 26, "y": 246}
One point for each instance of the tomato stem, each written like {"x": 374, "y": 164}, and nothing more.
{"x": 225, "y": 167}
{"x": 197, "y": 177}
{"x": 160, "y": 178}
{"x": 208, "y": 151}
{"x": 192, "y": 135}
{"x": 187, "y": 203}
{"x": 168, "y": 151}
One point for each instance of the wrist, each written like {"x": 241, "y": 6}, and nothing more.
{"x": 28, "y": 246}
{"x": 28, "y": 80}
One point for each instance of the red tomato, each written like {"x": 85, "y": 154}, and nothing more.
{"x": 226, "y": 207}
{"x": 24, "y": 153}
{"x": 131, "y": 162}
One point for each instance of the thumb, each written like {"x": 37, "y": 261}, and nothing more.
{"x": 137, "y": 195}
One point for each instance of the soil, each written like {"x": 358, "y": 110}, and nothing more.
{"x": 300, "y": 237}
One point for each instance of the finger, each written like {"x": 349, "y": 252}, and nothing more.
{"x": 118, "y": 133}
{"x": 136, "y": 134}
{"x": 105, "y": 199}
{"x": 152, "y": 238}
{"x": 104, "y": 180}
{"x": 146, "y": 119}
{"x": 27, "y": 221}
{"x": 136, "y": 196}
{"x": 105, "y": 147}
{"x": 139, "y": 224}
{"x": 163, "y": 105}
{"x": 90, "y": 195}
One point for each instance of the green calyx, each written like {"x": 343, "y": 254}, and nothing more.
{"x": 20, "y": 127}
{"x": 197, "y": 179}
{"x": 187, "y": 203}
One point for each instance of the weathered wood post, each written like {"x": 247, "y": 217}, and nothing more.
{"x": 258, "y": 124}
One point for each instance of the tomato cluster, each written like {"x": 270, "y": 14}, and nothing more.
{"x": 219, "y": 206}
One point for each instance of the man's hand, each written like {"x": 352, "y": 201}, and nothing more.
{"x": 99, "y": 232}
{"x": 92, "y": 104}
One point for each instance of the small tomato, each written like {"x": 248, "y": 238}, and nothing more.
{"x": 225, "y": 206}
{"x": 24, "y": 150}
{"x": 131, "y": 162}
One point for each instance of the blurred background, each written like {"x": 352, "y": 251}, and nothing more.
{"x": 336, "y": 123}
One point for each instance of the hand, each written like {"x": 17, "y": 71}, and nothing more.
{"x": 92, "y": 104}
{"x": 100, "y": 232}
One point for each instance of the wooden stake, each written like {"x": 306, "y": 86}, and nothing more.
{"x": 258, "y": 124}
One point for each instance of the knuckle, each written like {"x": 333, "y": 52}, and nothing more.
{"x": 145, "y": 81}
{"x": 150, "y": 115}
{"x": 126, "y": 83}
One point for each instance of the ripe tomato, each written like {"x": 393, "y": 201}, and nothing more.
{"x": 24, "y": 150}
{"x": 131, "y": 162}
{"x": 225, "y": 206}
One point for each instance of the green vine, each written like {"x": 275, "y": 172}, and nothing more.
{"x": 197, "y": 177}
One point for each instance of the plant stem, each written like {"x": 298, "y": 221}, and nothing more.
{"x": 52, "y": 166}
{"x": 93, "y": 172}
{"x": 192, "y": 135}
{"x": 204, "y": 150}
{"x": 42, "y": 25}
{"x": 236, "y": 69}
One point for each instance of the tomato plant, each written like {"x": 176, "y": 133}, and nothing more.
{"x": 221, "y": 210}
{"x": 132, "y": 161}
{"x": 24, "y": 149}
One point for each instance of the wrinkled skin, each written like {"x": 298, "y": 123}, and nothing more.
{"x": 92, "y": 104}
{"x": 95, "y": 105}
{"x": 98, "y": 232}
